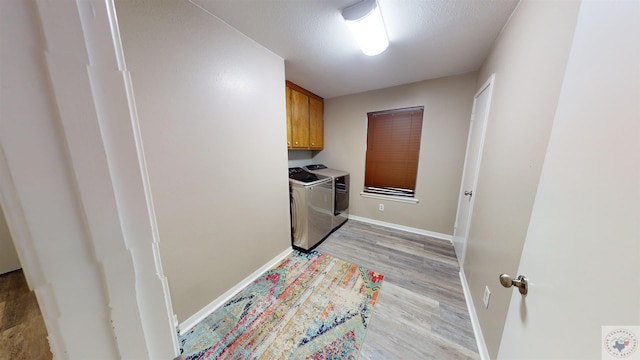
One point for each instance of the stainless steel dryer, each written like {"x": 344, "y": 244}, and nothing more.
{"x": 340, "y": 189}
{"x": 311, "y": 208}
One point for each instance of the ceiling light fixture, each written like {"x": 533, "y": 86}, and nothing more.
{"x": 365, "y": 21}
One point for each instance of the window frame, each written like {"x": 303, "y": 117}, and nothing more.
{"x": 409, "y": 152}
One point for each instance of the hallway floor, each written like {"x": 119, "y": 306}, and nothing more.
{"x": 23, "y": 335}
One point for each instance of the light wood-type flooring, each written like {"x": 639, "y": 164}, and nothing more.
{"x": 23, "y": 335}
{"x": 421, "y": 311}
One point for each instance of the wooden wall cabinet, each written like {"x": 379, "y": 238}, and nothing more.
{"x": 305, "y": 119}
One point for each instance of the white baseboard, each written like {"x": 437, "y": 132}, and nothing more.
{"x": 428, "y": 233}
{"x": 194, "y": 319}
{"x": 482, "y": 346}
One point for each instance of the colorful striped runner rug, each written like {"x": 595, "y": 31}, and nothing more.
{"x": 309, "y": 306}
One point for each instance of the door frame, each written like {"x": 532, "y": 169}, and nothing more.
{"x": 109, "y": 222}
{"x": 488, "y": 84}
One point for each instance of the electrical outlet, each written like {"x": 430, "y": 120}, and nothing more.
{"x": 381, "y": 207}
{"x": 485, "y": 298}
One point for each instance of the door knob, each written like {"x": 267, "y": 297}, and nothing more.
{"x": 520, "y": 282}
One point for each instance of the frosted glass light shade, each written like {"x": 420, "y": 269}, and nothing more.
{"x": 365, "y": 22}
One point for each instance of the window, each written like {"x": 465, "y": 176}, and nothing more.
{"x": 393, "y": 147}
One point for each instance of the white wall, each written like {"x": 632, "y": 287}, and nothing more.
{"x": 582, "y": 252}
{"x": 447, "y": 111}
{"x": 9, "y": 260}
{"x": 212, "y": 115}
{"x": 529, "y": 60}
{"x": 299, "y": 158}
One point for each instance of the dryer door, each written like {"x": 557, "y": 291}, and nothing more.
{"x": 298, "y": 216}
{"x": 319, "y": 207}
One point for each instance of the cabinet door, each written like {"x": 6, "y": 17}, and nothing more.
{"x": 299, "y": 119}
{"x": 316, "y": 124}
{"x": 288, "y": 106}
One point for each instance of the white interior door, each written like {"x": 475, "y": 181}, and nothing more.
{"x": 582, "y": 251}
{"x": 475, "y": 142}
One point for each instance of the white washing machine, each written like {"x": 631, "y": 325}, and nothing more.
{"x": 311, "y": 208}
{"x": 340, "y": 192}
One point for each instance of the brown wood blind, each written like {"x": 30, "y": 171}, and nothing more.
{"x": 393, "y": 146}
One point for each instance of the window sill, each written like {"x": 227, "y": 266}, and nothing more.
{"x": 390, "y": 197}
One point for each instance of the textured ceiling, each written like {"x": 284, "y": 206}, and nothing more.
{"x": 428, "y": 39}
